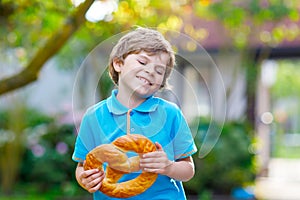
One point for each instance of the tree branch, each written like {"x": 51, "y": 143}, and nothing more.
{"x": 52, "y": 46}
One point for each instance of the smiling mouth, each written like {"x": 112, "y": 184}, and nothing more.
{"x": 145, "y": 81}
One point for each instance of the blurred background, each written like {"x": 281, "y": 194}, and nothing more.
{"x": 236, "y": 80}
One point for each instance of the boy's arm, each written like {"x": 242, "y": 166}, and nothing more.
{"x": 157, "y": 162}
{"x": 182, "y": 169}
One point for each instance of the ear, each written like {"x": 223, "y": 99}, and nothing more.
{"x": 117, "y": 64}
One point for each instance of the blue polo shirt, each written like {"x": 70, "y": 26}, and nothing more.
{"x": 157, "y": 119}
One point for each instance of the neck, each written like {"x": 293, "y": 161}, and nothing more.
{"x": 130, "y": 101}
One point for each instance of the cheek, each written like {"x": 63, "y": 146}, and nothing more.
{"x": 128, "y": 74}
{"x": 159, "y": 81}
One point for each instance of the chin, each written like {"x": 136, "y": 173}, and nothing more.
{"x": 143, "y": 94}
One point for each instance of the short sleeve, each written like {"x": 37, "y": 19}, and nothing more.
{"x": 84, "y": 140}
{"x": 184, "y": 144}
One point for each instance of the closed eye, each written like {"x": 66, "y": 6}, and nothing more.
{"x": 160, "y": 70}
{"x": 141, "y": 62}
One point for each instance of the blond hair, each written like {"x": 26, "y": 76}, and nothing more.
{"x": 141, "y": 39}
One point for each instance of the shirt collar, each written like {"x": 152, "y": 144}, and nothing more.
{"x": 115, "y": 107}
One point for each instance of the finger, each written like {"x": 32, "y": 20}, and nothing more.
{"x": 152, "y": 166}
{"x": 151, "y": 155}
{"x": 87, "y": 179}
{"x": 158, "y": 146}
{"x": 95, "y": 179}
{"x": 88, "y": 173}
{"x": 95, "y": 185}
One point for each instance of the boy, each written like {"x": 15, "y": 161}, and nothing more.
{"x": 140, "y": 65}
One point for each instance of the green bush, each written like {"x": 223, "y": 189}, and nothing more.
{"x": 46, "y": 166}
{"x": 14, "y": 124}
{"x": 229, "y": 164}
{"x": 47, "y": 161}
{"x": 33, "y": 118}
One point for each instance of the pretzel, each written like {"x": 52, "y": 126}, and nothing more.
{"x": 114, "y": 155}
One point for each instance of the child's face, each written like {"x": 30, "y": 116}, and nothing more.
{"x": 142, "y": 74}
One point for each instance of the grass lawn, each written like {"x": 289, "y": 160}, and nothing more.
{"x": 286, "y": 152}
{"x": 281, "y": 150}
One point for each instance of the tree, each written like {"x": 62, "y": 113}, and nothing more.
{"x": 49, "y": 49}
{"x": 45, "y": 25}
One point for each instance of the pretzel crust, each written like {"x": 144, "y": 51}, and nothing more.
{"x": 119, "y": 164}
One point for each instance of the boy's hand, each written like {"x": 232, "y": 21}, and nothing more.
{"x": 92, "y": 179}
{"x": 156, "y": 162}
